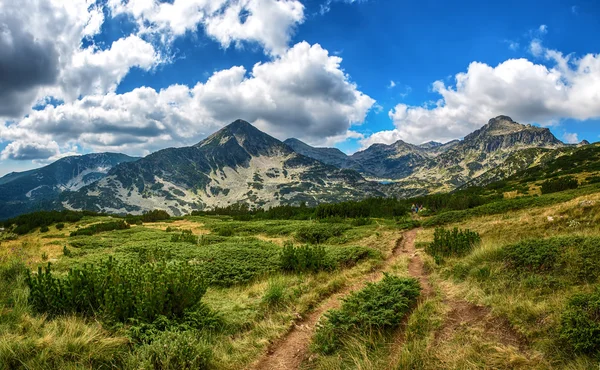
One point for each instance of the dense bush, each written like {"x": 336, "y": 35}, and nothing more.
{"x": 559, "y": 184}
{"x": 304, "y": 258}
{"x": 226, "y": 231}
{"x": 60, "y": 226}
{"x": 227, "y": 264}
{"x": 118, "y": 291}
{"x": 102, "y": 227}
{"x": 452, "y": 243}
{"x": 532, "y": 255}
{"x": 580, "y": 322}
{"x": 378, "y": 307}
{"x": 320, "y": 233}
{"x": 185, "y": 236}
{"x": 44, "y": 229}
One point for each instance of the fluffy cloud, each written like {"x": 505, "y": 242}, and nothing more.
{"x": 303, "y": 93}
{"x": 571, "y": 138}
{"x": 42, "y": 53}
{"x": 526, "y": 91}
{"x": 269, "y": 23}
{"x": 29, "y": 150}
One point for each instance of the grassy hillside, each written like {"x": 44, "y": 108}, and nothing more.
{"x": 505, "y": 276}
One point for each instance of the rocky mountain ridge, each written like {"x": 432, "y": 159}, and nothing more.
{"x": 239, "y": 163}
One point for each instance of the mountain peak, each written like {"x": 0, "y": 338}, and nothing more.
{"x": 244, "y": 134}
{"x": 502, "y": 125}
{"x": 503, "y": 133}
{"x": 240, "y": 124}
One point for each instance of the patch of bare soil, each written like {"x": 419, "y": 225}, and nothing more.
{"x": 465, "y": 314}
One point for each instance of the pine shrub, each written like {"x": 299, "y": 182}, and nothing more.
{"x": 119, "y": 291}
{"x": 304, "y": 258}
{"x": 580, "y": 322}
{"x": 379, "y": 306}
{"x": 559, "y": 184}
{"x": 452, "y": 243}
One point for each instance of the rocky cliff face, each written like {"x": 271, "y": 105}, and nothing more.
{"x": 502, "y": 133}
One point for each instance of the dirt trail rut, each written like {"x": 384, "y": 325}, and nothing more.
{"x": 289, "y": 352}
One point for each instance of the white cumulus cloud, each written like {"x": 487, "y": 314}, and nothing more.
{"x": 526, "y": 91}
{"x": 269, "y": 23}
{"x": 302, "y": 93}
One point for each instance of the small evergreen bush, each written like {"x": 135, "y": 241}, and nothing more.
{"x": 44, "y": 229}
{"x": 185, "y": 236}
{"x": 580, "y": 322}
{"x": 452, "y": 243}
{"x": 304, "y": 258}
{"x": 117, "y": 290}
{"x": 60, "y": 226}
{"x": 559, "y": 184}
{"x": 378, "y": 307}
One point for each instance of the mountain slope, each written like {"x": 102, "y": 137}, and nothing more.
{"x": 394, "y": 161}
{"x": 239, "y": 163}
{"x": 481, "y": 151}
{"x": 23, "y": 191}
{"x": 331, "y": 156}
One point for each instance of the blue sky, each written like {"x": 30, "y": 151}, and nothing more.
{"x": 139, "y": 76}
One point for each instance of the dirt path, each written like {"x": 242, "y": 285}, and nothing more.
{"x": 289, "y": 352}
{"x": 415, "y": 269}
{"x": 461, "y": 313}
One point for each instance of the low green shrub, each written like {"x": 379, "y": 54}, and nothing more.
{"x": 185, "y": 236}
{"x": 320, "y": 233}
{"x": 118, "y": 291}
{"x": 227, "y": 264}
{"x": 532, "y": 255}
{"x": 580, "y": 322}
{"x": 102, "y": 227}
{"x": 44, "y": 229}
{"x": 379, "y": 306}
{"x": 452, "y": 243}
{"x": 226, "y": 231}
{"x": 60, "y": 226}
{"x": 199, "y": 318}
{"x": 575, "y": 258}
{"x": 559, "y": 184}
{"x": 304, "y": 258}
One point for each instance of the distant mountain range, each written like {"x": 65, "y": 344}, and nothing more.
{"x": 239, "y": 163}
{"x": 21, "y": 192}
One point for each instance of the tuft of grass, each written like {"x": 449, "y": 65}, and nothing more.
{"x": 62, "y": 343}
{"x": 275, "y": 295}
